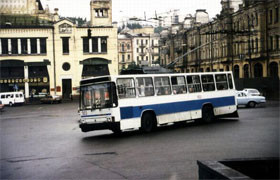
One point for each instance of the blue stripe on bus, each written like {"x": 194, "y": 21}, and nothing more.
{"x": 176, "y": 107}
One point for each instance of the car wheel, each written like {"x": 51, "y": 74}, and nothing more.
{"x": 251, "y": 104}
{"x": 10, "y": 104}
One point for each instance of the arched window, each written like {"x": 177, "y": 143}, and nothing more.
{"x": 258, "y": 70}
{"x": 273, "y": 69}
{"x": 246, "y": 71}
{"x": 236, "y": 71}
{"x": 122, "y": 47}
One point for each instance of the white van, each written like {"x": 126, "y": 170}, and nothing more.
{"x": 12, "y": 98}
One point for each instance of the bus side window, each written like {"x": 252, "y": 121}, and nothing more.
{"x": 2, "y": 96}
{"x": 221, "y": 81}
{"x": 178, "y": 84}
{"x": 208, "y": 82}
{"x": 230, "y": 81}
{"x": 145, "y": 86}
{"x": 194, "y": 84}
{"x": 126, "y": 88}
{"x": 162, "y": 86}
{"x": 17, "y": 95}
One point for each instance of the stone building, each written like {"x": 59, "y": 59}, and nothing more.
{"x": 138, "y": 47}
{"x": 53, "y": 58}
{"x": 125, "y": 49}
{"x": 244, "y": 40}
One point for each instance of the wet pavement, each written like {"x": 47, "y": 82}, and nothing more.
{"x": 45, "y": 142}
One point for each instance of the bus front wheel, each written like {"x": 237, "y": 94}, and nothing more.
{"x": 208, "y": 114}
{"x": 148, "y": 122}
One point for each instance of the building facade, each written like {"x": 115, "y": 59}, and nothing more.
{"x": 53, "y": 59}
{"x": 244, "y": 40}
{"x": 138, "y": 47}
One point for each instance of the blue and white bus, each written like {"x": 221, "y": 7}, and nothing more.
{"x": 132, "y": 102}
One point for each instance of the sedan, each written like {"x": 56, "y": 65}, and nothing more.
{"x": 249, "y": 100}
{"x": 51, "y": 99}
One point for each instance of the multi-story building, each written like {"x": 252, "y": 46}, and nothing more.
{"x": 125, "y": 49}
{"x": 138, "y": 47}
{"x": 54, "y": 58}
{"x": 244, "y": 40}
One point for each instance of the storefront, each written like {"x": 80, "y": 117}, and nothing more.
{"x": 32, "y": 78}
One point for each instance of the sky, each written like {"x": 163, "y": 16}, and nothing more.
{"x": 130, "y": 8}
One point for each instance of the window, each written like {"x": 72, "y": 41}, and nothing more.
{"x": 128, "y": 47}
{"x": 3, "y": 97}
{"x": 276, "y": 15}
{"x": 128, "y": 57}
{"x": 126, "y": 88}
{"x": 246, "y": 71}
{"x": 43, "y": 45}
{"x": 123, "y": 58}
{"x": 66, "y": 66}
{"x": 221, "y": 81}
{"x": 4, "y": 44}
{"x": 14, "y": 46}
{"x": 208, "y": 83}
{"x": 270, "y": 16}
{"x": 194, "y": 84}
{"x": 277, "y": 42}
{"x": 85, "y": 45}
{"x": 178, "y": 85}
{"x": 94, "y": 44}
{"x": 65, "y": 45}
{"x": 162, "y": 85}
{"x": 230, "y": 83}
{"x": 33, "y": 42}
{"x": 103, "y": 44}
{"x": 271, "y": 42}
{"x": 145, "y": 86}
{"x": 24, "y": 46}
{"x": 122, "y": 47}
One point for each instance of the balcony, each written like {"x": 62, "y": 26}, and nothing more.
{"x": 142, "y": 54}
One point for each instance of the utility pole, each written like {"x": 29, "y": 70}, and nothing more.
{"x": 249, "y": 47}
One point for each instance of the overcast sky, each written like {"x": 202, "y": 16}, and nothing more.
{"x": 129, "y": 8}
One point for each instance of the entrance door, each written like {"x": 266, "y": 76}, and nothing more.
{"x": 66, "y": 88}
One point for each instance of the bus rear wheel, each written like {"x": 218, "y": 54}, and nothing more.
{"x": 148, "y": 122}
{"x": 208, "y": 114}
{"x": 10, "y": 104}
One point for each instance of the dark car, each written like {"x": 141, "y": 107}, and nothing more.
{"x": 51, "y": 99}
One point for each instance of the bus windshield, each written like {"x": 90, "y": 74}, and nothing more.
{"x": 98, "y": 96}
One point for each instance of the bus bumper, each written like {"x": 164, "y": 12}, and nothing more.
{"x": 100, "y": 126}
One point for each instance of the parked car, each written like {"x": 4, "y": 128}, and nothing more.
{"x": 252, "y": 92}
{"x": 249, "y": 100}
{"x": 51, "y": 99}
{"x": 12, "y": 98}
{"x": 1, "y": 106}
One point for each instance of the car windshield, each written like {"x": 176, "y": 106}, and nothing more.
{"x": 98, "y": 96}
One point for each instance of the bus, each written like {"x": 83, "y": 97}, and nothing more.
{"x": 147, "y": 101}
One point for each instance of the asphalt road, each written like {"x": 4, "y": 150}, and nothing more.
{"x": 44, "y": 142}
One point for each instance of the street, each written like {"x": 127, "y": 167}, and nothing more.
{"x": 45, "y": 142}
